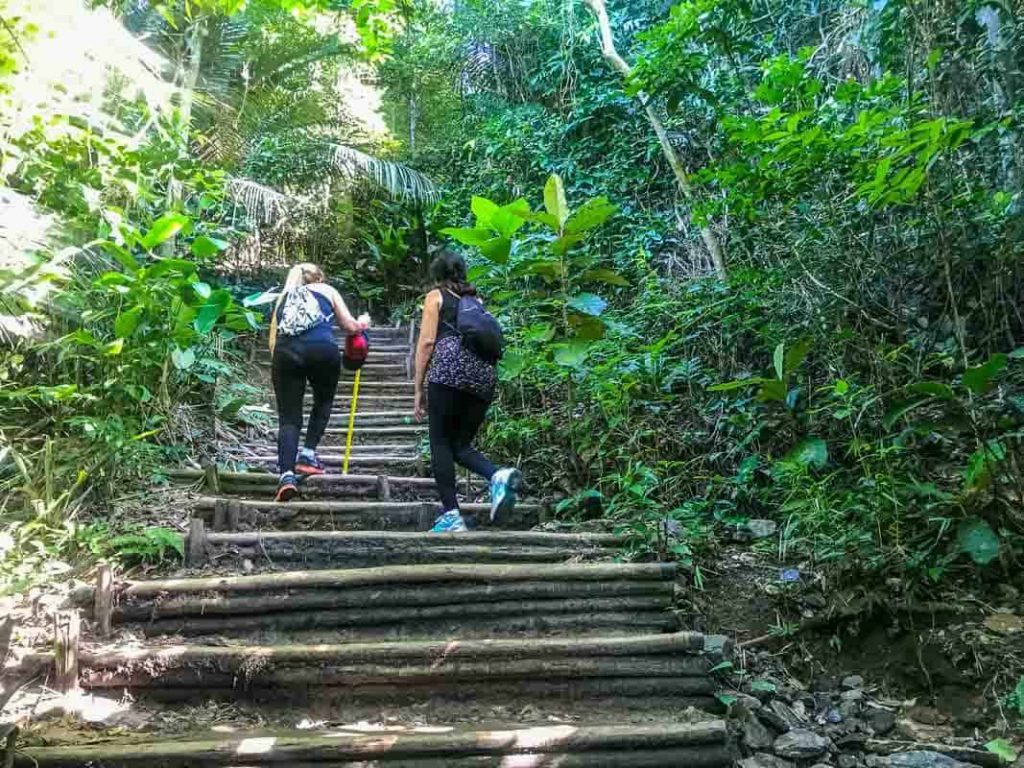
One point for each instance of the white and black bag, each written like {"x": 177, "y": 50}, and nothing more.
{"x": 299, "y": 312}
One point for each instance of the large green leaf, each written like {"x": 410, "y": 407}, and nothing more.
{"x": 469, "y": 236}
{"x": 204, "y": 247}
{"x": 796, "y": 354}
{"x": 588, "y": 304}
{"x": 166, "y": 266}
{"x": 484, "y": 211}
{"x": 976, "y": 538}
{"x": 590, "y": 215}
{"x": 900, "y": 410}
{"x": 1003, "y": 749}
{"x": 934, "y": 389}
{"x": 211, "y": 310}
{"x": 497, "y": 249}
{"x": 512, "y": 364}
{"x": 979, "y": 379}
{"x": 554, "y": 199}
{"x": 588, "y": 328}
{"x": 509, "y": 219}
{"x": 164, "y": 229}
{"x": 809, "y": 452}
{"x": 571, "y": 355}
{"x": 123, "y": 257}
{"x": 127, "y": 322}
{"x": 183, "y": 359}
{"x": 604, "y": 275}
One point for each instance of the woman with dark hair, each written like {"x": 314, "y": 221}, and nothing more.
{"x": 454, "y": 388}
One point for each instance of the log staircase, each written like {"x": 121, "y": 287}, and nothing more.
{"x": 509, "y": 645}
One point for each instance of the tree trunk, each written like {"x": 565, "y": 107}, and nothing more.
{"x": 619, "y": 64}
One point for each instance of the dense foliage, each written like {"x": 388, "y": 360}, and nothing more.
{"x": 857, "y": 377}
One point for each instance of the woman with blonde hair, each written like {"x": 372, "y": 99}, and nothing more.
{"x": 304, "y": 349}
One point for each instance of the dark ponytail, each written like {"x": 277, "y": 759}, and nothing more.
{"x": 448, "y": 270}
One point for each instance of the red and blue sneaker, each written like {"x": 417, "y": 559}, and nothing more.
{"x": 309, "y": 463}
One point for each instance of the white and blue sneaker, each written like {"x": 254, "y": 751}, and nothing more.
{"x": 450, "y": 522}
{"x": 504, "y": 487}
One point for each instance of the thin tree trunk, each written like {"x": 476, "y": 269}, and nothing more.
{"x": 619, "y": 64}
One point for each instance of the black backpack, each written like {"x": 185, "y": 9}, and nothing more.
{"x": 479, "y": 331}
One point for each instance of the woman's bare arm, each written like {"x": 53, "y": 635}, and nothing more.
{"x": 343, "y": 317}
{"x": 425, "y": 347}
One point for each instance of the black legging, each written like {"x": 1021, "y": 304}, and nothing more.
{"x": 294, "y": 364}
{"x": 455, "y": 418}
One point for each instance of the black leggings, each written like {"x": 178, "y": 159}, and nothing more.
{"x": 294, "y": 364}
{"x": 455, "y": 418}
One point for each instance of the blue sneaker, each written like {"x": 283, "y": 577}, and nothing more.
{"x": 450, "y": 522}
{"x": 287, "y": 487}
{"x": 504, "y": 487}
{"x": 308, "y": 463}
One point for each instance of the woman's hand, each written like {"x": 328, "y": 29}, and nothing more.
{"x": 419, "y": 408}
{"x": 364, "y": 322}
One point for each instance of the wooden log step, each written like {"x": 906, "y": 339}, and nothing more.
{"x": 701, "y": 745}
{"x": 385, "y": 462}
{"x": 543, "y": 660}
{"x": 369, "y": 485}
{"x": 406, "y": 575}
{"x": 383, "y": 515}
{"x": 399, "y": 595}
{"x": 642, "y": 612}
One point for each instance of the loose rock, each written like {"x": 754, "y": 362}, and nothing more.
{"x": 880, "y": 721}
{"x": 801, "y": 744}
{"x": 853, "y": 681}
{"x": 923, "y": 759}
{"x": 755, "y": 735}
{"x": 765, "y": 760}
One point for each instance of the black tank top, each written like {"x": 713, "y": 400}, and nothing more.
{"x": 448, "y": 317}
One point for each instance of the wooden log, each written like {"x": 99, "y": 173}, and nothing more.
{"x": 234, "y": 515}
{"x": 146, "y": 610}
{"x": 104, "y": 604}
{"x": 406, "y": 574}
{"x": 220, "y": 515}
{"x": 692, "y": 757}
{"x": 294, "y": 748}
{"x": 67, "y": 627}
{"x": 212, "y": 478}
{"x": 443, "y": 672}
{"x": 8, "y": 743}
{"x": 588, "y": 608}
{"x": 411, "y": 539}
{"x": 424, "y": 652}
{"x": 310, "y": 553}
{"x": 196, "y": 545}
{"x": 208, "y": 503}
{"x": 515, "y": 626}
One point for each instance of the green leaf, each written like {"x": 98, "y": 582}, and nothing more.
{"x": 542, "y": 217}
{"x": 1017, "y": 354}
{"x": 796, "y": 354}
{"x": 565, "y": 243}
{"x": 934, "y": 389}
{"x": 211, "y": 311}
{"x": 114, "y": 348}
{"x": 729, "y": 386}
{"x": 772, "y": 391}
{"x": 511, "y": 366}
{"x": 508, "y": 220}
{"x": 590, "y": 215}
{"x": 900, "y": 410}
{"x": 164, "y": 229}
{"x": 809, "y": 452}
{"x": 166, "y": 266}
{"x": 497, "y": 249}
{"x": 976, "y": 538}
{"x": 113, "y": 278}
{"x": 554, "y": 199}
{"x": 763, "y": 686}
{"x": 204, "y": 247}
{"x": 588, "y": 328}
{"x": 727, "y": 699}
{"x": 588, "y": 304}
{"x": 123, "y": 257}
{"x": 202, "y": 290}
{"x": 979, "y": 379}
{"x": 477, "y": 236}
{"x": 571, "y": 355}
{"x": 604, "y": 275}
{"x": 779, "y": 359}
{"x": 183, "y": 359}
{"x": 484, "y": 210}
{"x": 721, "y": 666}
{"x": 1003, "y": 748}
{"x": 127, "y": 322}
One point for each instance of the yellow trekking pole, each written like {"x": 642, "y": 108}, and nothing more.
{"x": 351, "y": 421}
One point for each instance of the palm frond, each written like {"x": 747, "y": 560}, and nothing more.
{"x": 396, "y": 179}
{"x": 263, "y": 204}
